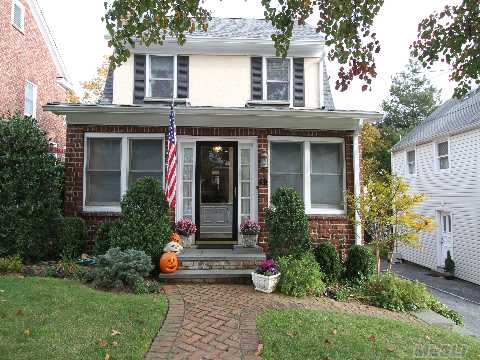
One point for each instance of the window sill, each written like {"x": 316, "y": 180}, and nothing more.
{"x": 163, "y": 101}
{"x": 324, "y": 211}
{"x": 22, "y": 31}
{"x": 269, "y": 103}
{"x": 101, "y": 209}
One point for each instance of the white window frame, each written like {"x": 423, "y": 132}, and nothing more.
{"x": 148, "y": 89}
{"x": 290, "y": 79}
{"x": 437, "y": 157}
{"x": 407, "y": 169}
{"x": 124, "y": 165}
{"x": 309, "y": 210}
{"x": 34, "y": 99}
{"x": 12, "y": 18}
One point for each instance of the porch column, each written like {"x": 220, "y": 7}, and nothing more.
{"x": 357, "y": 178}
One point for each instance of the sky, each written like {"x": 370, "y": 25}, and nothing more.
{"x": 80, "y": 35}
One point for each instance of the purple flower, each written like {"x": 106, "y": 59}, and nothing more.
{"x": 249, "y": 227}
{"x": 185, "y": 227}
{"x": 267, "y": 268}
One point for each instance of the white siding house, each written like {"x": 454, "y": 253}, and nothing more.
{"x": 440, "y": 158}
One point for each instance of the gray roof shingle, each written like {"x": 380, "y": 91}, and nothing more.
{"x": 255, "y": 29}
{"x": 453, "y": 115}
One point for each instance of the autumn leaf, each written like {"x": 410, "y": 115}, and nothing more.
{"x": 327, "y": 342}
{"x": 372, "y": 338}
{"x": 107, "y": 357}
{"x": 391, "y": 349}
{"x": 259, "y": 349}
{"x": 334, "y": 332}
{"x": 19, "y": 312}
{"x": 27, "y": 332}
{"x": 291, "y": 334}
{"x": 103, "y": 343}
{"x": 114, "y": 343}
{"x": 115, "y": 333}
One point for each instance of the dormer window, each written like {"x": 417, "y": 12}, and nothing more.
{"x": 161, "y": 77}
{"x": 277, "y": 79}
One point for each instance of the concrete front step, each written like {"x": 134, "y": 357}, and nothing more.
{"x": 215, "y": 275}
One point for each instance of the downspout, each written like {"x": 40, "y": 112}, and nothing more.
{"x": 356, "y": 179}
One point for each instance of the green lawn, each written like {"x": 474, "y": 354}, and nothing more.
{"x": 309, "y": 334}
{"x": 44, "y": 318}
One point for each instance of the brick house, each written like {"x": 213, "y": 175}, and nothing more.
{"x": 31, "y": 70}
{"x": 247, "y": 123}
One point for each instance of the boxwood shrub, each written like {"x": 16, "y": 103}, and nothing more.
{"x": 72, "y": 237}
{"x": 360, "y": 264}
{"x": 329, "y": 261}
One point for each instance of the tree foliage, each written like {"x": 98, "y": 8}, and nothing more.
{"x": 93, "y": 89}
{"x": 451, "y": 35}
{"x": 386, "y": 212}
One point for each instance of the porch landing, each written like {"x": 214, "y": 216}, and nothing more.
{"x": 216, "y": 265}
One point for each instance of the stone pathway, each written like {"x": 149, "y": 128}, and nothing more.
{"x": 212, "y": 321}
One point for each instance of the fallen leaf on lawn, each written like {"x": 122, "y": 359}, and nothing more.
{"x": 115, "y": 333}
{"x": 327, "y": 342}
{"x": 291, "y": 334}
{"x": 103, "y": 343}
{"x": 114, "y": 343}
{"x": 391, "y": 349}
{"x": 27, "y": 332}
{"x": 2, "y": 291}
{"x": 372, "y": 338}
{"x": 19, "y": 312}
{"x": 259, "y": 350}
{"x": 334, "y": 332}
{"x": 3, "y": 300}
{"x": 107, "y": 357}
{"x": 428, "y": 337}
{"x": 326, "y": 358}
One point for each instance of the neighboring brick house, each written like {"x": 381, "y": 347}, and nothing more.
{"x": 31, "y": 70}
{"x": 247, "y": 123}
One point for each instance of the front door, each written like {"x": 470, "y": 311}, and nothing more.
{"x": 216, "y": 193}
{"x": 446, "y": 237}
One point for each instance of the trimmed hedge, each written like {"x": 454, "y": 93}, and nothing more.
{"x": 329, "y": 261}
{"x": 360, "y": 264}
{"x": 72, "y": 237}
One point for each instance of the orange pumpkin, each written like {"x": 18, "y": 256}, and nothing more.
{"x": 168, "y": 262}
{"x": 176, "y": 238}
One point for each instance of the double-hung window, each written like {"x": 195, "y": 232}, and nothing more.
{"x": 161, "y": 76}
{"x": 30, "y": 107}
{"x": 277, "y": 79}
{"x": 314, "y": 168}
{"x": 113, "y": 162}
{"x": 442, "y": 155}
{"x": 411, "y": 162}
{"x": 18, "y": 15}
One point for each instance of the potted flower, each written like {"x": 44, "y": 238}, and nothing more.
{"x": 185, "y": 228}
{"x": 249, "y": 231}
{"x": 266, "y": 276}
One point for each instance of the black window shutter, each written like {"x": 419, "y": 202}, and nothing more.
{"x": 139, "y": 79}
{"x": 298, "y": 82}
{"x": 182, "y": 77}
{"x": 256, "y": 78}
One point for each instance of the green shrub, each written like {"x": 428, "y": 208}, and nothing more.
{"x": 84, "y": 274}
{"x": 66, "y": 267}
{"x": 445, "y": 311}
{"x": 30, "y": 188}
{"x": 287, "y": 224}
{"x": 449, "y": 264}
{"x": 10, "y": 264}
{"x": 360, "y": 263}
{"x": 144, "y": 224}
{"x": 119, "y": 268}
{"x": 329, "y": 261}
{"x": 103, "y": 240}
{"x": 391, "y": 292}
{"x": 142, "y": 286}
{"x": 72, "y": 237}
{"x": 300, "y": 276}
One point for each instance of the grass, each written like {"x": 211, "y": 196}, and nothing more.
{"x": 44, "y": 318}
{"x": 310, "y": 334}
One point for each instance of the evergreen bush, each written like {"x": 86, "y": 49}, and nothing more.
{"x": 287, "y": 224}
{"x": 72, "y": 237}
{"x": 30, "y": 190}
{"x": 360, "y": 263}
{"x": 329, "y": 261}
{"x": 144, "y": 224}
{"x": 103, "y": 240}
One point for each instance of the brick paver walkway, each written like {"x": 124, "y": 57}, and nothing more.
{"x": 211, "y": 321}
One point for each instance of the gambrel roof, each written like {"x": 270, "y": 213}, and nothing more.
{"x": 453, "y": 116}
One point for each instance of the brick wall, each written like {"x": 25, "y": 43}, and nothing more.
{"x": 25, "y": 56}
{"x": 337, "y": 229}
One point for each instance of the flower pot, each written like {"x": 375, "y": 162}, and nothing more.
{"x": 249, "y": 241}
{"x": 187, "y": 240}
{"x": 266, "y": 284}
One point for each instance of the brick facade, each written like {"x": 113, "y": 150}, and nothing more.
{"x": 336, "y": 228}
{"x": 25, "y": 56}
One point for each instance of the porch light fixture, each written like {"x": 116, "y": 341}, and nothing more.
{"x": 264, "y": 160}
{"x": 217, "y": 148}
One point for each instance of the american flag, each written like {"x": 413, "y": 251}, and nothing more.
{"x": 171, "y": 183}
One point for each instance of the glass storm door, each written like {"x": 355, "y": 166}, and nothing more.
{"x": 216, "y": 195}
